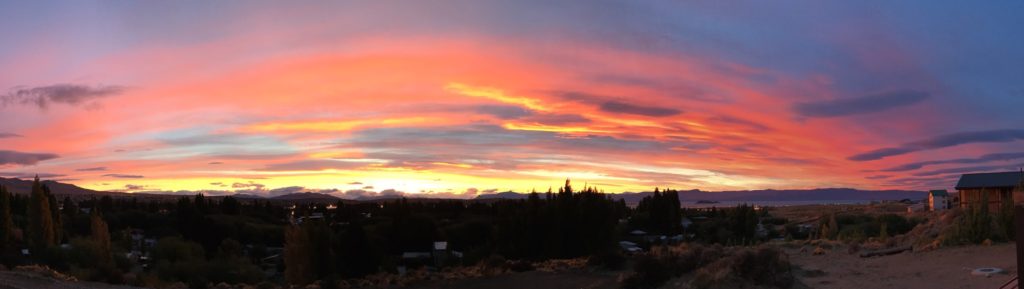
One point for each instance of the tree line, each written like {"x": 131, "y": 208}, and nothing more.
{"x": 201, "y": 240}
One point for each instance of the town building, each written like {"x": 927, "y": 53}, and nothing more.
{"x": 938, "y": 200}
{"x": 997, "y": 188}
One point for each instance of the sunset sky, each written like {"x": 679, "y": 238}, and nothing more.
{"x": 458, "y": 98}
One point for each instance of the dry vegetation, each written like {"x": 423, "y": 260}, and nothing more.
{"x": 707, "y": 267}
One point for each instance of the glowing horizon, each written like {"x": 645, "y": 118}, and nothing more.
{"x": 457, "y": 99}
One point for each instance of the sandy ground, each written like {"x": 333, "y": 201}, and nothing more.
{"x": 943, "y": 268}
{"x": 534, "y": 280}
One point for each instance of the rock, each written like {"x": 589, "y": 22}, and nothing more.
{"x": 818, "y": 251}
{"x": 935, "y": 245}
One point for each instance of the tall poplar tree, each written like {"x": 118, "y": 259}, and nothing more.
{"x": 298, "y": 259}
{"x": 54, "y": 214}
{"x": 101, "y": 235}
{"x": 40, "y": 219}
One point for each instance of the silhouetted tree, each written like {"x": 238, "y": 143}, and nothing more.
{"x": 41, "y": 229}
{"x": 229, "y": 205}
{"x": 6, "y": 219}
{"x": 307, "y": 253}
{"x": 356, "y": 255}
{"x": 101, "y": 235}
{"x": 661, "y": 212}
{"x": 57, "y": 221}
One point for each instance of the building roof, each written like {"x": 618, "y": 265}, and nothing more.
{"x": 939, "y": 193}
{"x": 440, "y": 245}
{"x": 989, "y": 180}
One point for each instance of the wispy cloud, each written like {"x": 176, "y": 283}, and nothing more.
{"x": 124, "y": 176}
{"x": 8, "y": 135}
{"x": 982, "y": 159}
{"x": 860, "y": 105}
{"x": 23, "y": 175}
{"x": 23, "y": 158}
{"x": 943, "y": 141}
{"x": 93, "y": 169}
{"x": 69, "y": 94}
{"x": 626, "y": 108}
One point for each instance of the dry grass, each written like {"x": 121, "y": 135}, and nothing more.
{"x": 713, "y": 267}
{"x": 45, "y": 272}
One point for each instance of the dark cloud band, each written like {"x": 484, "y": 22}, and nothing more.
{"x": 943, "y": 141}
{"x": 978, "y": 160}
{"x": 22, "y": 158}
{"x": 69, "y": 94}
{"x": 626, "y": 108}
{"x": 860, "y": 105}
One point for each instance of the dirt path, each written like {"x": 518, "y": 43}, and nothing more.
{"x": 22, "y": 280}
{"x": 533, "y": 280}
{"x": 944, "y": 268}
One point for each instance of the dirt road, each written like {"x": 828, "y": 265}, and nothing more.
{"x": 22, "y": 280}
{"x": 943, "y": 268}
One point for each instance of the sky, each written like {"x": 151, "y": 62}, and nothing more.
{"x": 459, "y": 98}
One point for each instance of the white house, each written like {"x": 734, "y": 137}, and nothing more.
{"x": 938, "y": 200}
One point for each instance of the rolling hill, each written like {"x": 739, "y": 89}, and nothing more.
{"x": 826, "y": 194}
{"x": 19, "y": 186}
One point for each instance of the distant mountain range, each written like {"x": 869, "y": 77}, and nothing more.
{"x": 827, "y": 194}
{"x": 306, "y": 197}
{"x": 501, "y": 195}
{"x": 19, "y": 186}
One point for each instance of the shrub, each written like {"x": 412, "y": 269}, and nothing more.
{"x": 972, "y": 227}
{"x": 520, "y": 266}
{"x": 761, "y": 266}
{"x": 649, "y": 273}
{"x": 612, "y": 260}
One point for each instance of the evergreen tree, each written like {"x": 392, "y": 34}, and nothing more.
{"x": 70, "y": 208}
{"x": 230, "y": 206}
{"x": 6, "y": 220}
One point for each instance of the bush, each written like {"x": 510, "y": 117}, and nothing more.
{"x": 649, "y": 273}
{"x": 716, "y": 267}
{"x": 612, "y": 260}
{"x": 520, "y": 266}
{"x": 691, "y": 258}
{"x": 974, "y": 226}
{"x": 762, "y": 266}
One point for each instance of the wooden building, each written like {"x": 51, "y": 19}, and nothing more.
{"x": 938, "y": 200}
{"x": 998, "y": 187}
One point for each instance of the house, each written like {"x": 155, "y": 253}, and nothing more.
{"x": 630, "y": 247}
{"x": 998, "y": 188}
{"x": 685, "y": 223}
{"x": 938, "y": 200}
{"x": 440, "y": 253}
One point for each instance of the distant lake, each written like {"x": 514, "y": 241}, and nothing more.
{"x": 727, "y": 204}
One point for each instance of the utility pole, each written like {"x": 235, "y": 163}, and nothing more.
{"x": 1018, "y": 210}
